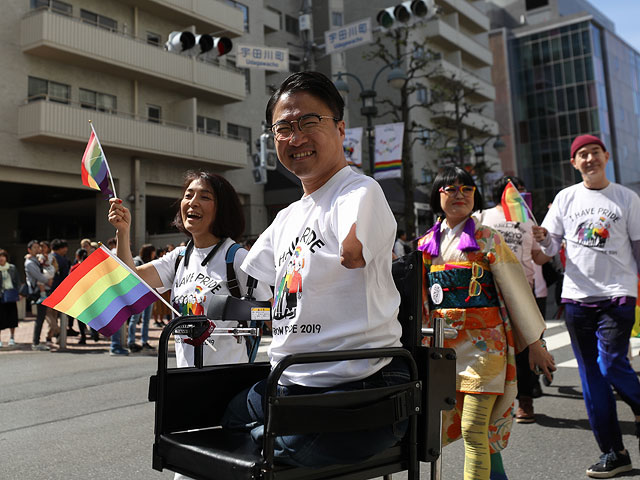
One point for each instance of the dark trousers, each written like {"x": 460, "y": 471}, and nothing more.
{"x": 600, "y": 342}
{"x": 527, "y": 379}
{"x": 37, "y": 330}
{"x": 245, "y": 411}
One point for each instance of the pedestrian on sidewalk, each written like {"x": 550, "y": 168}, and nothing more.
{"x": 519, "y": 237}
{"x": 60, "y": 249}
{"x": 34, "y": 275}
{"x": 81, "y": 255}
{"x": 471, "y": 275}
{"x": 9, "y": 283}
{"x": 146, "y": 254}
{"x": 600, "y": 221}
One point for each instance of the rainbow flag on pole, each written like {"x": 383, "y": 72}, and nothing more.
{"x": 515, "y": 209}
{"x": 95, "y": 169}
{"x": 102, "y": 292}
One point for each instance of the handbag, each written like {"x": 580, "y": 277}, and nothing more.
{"x": 10, "y": 295}
{"x": 26, "y": 293}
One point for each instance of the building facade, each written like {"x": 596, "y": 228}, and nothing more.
{"x": 157, "y": 113}
{"x": 567, "y": 73}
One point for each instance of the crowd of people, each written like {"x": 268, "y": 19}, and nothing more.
{"x": 46, "y": 265}
{"x": 327, "y": 258}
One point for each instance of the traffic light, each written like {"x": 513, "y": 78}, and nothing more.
{"x": 268, "y": 156}
{"x": 189, "y": 44}
{"x": 259, "y": 172}
{"x": 259, "y": 175}
{"x": 222, "y": 45}
{"x": 180, "y": 42}
{"x": 403, "y": 14}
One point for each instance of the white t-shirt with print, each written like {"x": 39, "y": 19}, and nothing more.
{"x": 518, "y": 236}
{"x": 191, "y": 290}
{"x": 319, "y": 305}
{"x": 598, "y": 226}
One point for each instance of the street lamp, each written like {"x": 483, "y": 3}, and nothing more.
{"x": 396, "y": 79}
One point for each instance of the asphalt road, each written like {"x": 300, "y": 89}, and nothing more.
{"x": 67, "y": 415}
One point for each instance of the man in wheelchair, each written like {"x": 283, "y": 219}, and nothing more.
{"x": 329, "y": 257}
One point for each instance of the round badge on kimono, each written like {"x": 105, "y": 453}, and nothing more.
{"x": 436, "y": 293}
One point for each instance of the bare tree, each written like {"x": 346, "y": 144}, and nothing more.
{"x": 448, "y": 110}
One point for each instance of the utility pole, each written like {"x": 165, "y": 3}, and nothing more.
{"x": 305, "y": 22}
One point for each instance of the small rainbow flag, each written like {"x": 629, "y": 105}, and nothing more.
{"x": 102, "y": 292}
{"x": 95, "y": 169}
{"x": 515, "y": 210}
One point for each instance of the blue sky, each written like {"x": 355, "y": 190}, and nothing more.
{"x": 625, "y": 14}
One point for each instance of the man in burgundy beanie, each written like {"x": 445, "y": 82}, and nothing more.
{"x": 600, "y": 222}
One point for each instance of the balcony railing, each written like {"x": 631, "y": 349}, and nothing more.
{"x": 73, "y": 41}
{"x": 58, "y": 120}
{"x": 208, "y": 16}
{"x": 479, "y": 88}
{"x": 469, "y": 15}
{"x": 443, "y": 34}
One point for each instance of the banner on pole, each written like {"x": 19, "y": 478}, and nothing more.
{"x": 388, "y": 151}
{"x": 353, "y": 146}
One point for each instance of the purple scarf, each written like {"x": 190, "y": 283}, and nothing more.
{"x": 467, "y": 238}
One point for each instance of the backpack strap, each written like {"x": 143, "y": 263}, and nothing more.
{"x": 185, "y": 253}
{"x": 232, "y": 280}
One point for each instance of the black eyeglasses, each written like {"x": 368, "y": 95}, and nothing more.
{"x": 306, "y": 124}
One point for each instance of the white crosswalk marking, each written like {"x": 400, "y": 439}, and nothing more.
{"x": 559, "y": 340}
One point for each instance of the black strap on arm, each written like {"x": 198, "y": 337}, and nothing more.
{"x": 232, "y": 279}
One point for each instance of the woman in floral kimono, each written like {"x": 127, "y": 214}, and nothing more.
{"x": 471, "y": 275}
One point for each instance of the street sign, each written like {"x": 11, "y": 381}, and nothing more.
{"x": 265, "y": 58}
{"x": 348, "y": 36}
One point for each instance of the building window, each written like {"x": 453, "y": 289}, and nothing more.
{"x": 41, "y": 89}
{"x": 336, "y": 19}
{"x": 55, "y": 5}
{"x": 103, "y": 102}
{"x": 279, "y": 14}
{"x": 242, "y": 133}
{"x": 207, "y": 125}
{"x": 99, "y": 20}
{"x": 154, "y": 113}
{"x": 533, "y": 4}
{"x": 245, "y": 12}
{"x": 245, "y": 71}
{"x": 291, "y": 24}
{"x": 154, "y": 39}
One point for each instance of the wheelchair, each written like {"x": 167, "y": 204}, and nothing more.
{"x": 190, "y": 402}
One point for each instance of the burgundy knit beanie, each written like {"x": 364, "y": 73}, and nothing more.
{"x": 583, "y": 140}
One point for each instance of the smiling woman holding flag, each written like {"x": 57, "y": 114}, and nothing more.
{"x": 471, "y": 275}
{"x": 211, "y": 215}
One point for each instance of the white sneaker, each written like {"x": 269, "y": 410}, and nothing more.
{"x": 12, "y": 342}
{"x": 0, "y": 343}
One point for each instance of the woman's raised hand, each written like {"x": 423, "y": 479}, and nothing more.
{"x": 119, "y": 215}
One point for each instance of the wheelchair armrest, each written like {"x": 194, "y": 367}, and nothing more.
{"x": 407, "y": 393}
{"x": 336, "y": 356}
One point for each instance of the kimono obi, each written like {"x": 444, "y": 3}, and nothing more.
{"x": 461, "y": 285}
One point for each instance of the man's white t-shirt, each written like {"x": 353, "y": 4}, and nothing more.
{"x": 598, "y": 226}
{"x": 319, "y": 305}
{"x": 518, "y": 236}
{"x": 192, "y": 288}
